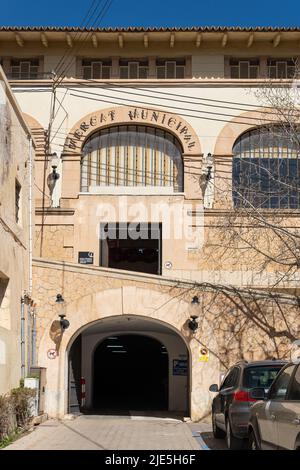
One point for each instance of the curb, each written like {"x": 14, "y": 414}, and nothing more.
{"x": 200, "y": 441}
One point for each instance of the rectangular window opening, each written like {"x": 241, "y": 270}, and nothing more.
{"x": 17, "y": 200}
{"x": 131, "y": 246}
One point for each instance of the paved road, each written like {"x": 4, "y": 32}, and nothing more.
{"x": 204, "y": 430}
{"x": 88, "y": 432}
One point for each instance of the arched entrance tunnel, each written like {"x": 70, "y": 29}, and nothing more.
{"x": 128, "y": 363}
{"x": 131, "y": 372}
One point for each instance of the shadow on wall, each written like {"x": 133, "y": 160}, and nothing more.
{"x": 56, "y": 334}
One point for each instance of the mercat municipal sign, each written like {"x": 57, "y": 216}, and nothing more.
{"x": 135, "y": 115}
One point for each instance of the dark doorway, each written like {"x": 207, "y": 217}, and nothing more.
{"x": 130, "y": 372}
{"x": 134, "y": 247}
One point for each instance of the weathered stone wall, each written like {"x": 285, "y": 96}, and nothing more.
{"x": 92, "y": 294}
{"x": 55, "y": 241}
{"x": 14, "y": 235}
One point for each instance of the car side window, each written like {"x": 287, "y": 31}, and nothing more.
{"x": 280, "y": 385}
{"x": 225, "y": 380}
{"x": 231, "y": 379}
{"x": 294, "y": 392}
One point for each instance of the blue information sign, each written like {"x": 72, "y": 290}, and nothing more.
{"x": 179, "y": 367}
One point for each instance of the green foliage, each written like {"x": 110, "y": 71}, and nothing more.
{"x": 15, "y": 413}
{"x": 6, "y": 416}
{"x": 20, "y": 398}
{"x": 10, "y": 438}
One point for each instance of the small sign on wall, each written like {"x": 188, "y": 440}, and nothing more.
{"x": 51, "y": 353}
{"x": 204, "y": 355}
{"x": 179, "y": 367}
{"x": 85, "y": 257}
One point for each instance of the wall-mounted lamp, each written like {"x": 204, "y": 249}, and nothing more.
{"x": 59, "y": 299}
{"x": 64, "y": 323}
{"x": 209, "y": 166}
{"x": 53, "y": 176}
{"x": 207, "y": 171}
{"x": 193, "y": 324}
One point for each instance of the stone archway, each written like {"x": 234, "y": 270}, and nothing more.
{"x": 130, "y": 300}
{"x": 125, "y": 115}
{"x": 237, "y": 126}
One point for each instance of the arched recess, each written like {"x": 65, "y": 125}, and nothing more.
{"x": 238, "y": 125}
{"x": 125, "y": 116}
{"x": 173, "y": 312}
{"x": 223, "y": 151}
{"x": 38, "y": 133}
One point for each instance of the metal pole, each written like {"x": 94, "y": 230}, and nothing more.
{"x": 33, "y": 338}
{"x": 22, "y": 339}
{"x": 30, "y": 348}
{"x": 30, "y": 219}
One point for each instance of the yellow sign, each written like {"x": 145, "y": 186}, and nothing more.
{"x": 204, "y": 355}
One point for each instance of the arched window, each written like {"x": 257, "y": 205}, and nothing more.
{"x": 266, "y": 168}
{"x": 132, "y": 156}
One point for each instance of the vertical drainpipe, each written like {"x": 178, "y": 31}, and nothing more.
{"x": 23, "y": 368}
{"x": 31, "y": 312}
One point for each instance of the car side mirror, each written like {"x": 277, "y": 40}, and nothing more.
{"x": 214, "y": 388}
{"x": 258, "y": 393}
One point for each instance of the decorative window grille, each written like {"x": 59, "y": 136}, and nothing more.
{"x": 281, "y": 68}
{"x": 96, "y": 69}
{"x": 132, "y": 156}
{"x": 168, "y": 69}
{"x": 24, "y": 69}
{"x": 244, "y": 68}
{"x": 266, "y": 169}
{"x": 133, "y": 69}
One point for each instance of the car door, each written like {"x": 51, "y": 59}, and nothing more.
{"x": 224, "y": 397}
{"x": 288, "y": 415}
{"x": 267, "y": 415}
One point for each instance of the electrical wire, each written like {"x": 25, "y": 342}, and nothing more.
{"x": 99, "y": 17}
{"x": 161, "y": 105}
{"x": 108, "y": 85}
{"x": 75, "y": 37}
{"x": 126, "y": 102}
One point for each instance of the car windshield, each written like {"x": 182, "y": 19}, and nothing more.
{"x": 260, "y": 376}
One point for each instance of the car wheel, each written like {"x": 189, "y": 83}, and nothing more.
{"x": 252, "y": 445}
{"x": 217, "y": 432}
{"x": 233, "y": 443}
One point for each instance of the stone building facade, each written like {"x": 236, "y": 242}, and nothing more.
{"x": 146, "y": 128}
{"x": 16, "y": 160}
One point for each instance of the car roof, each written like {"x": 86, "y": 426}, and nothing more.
{"x": 269, "y": 362}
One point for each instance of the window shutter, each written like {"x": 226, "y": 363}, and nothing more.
{"x": 105, "y": 72}
{"x": 281, "y": 69}
{"x": 143, "y": 72}
{"x": 123, "y": 72}
{"x": 180, "y": 69}
{"x": 96, "y": 70}
{"x": 160, "y": 72}
{"x": 234, "y": 71}
{"x": 171, "y": 69}
{"x": 244, "y": 69}
{"x": 24, "y": 70}
{"x": 133, "y": 69}
{"x": 87, "y": 72}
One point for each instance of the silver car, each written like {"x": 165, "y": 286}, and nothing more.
{"x": 275, "y": 419}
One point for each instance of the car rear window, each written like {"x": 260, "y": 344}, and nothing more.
{"x": 260, "y": 376}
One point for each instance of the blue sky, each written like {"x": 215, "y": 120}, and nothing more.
{"x": 153, "y": 13}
